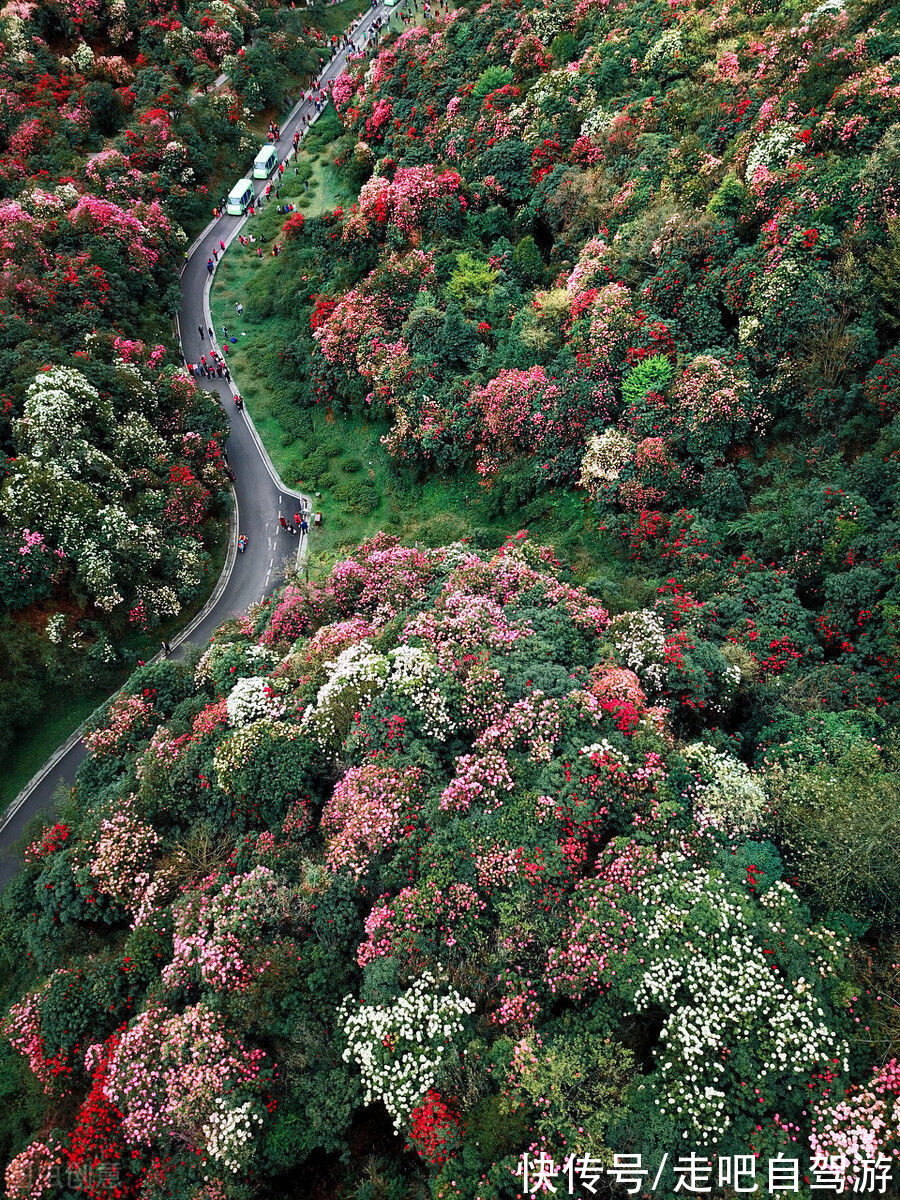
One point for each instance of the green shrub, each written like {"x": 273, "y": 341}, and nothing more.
{"x": 490, "y": 79}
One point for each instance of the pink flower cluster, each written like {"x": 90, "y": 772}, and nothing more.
{"x": 863, "y": 1125}
{"x": 366, "y": 814}
{"x": 381, "y": 578}
{"x": 600, "y": 929}
{"x": 419, "y": 919}
{"x": 122, "y": 854}
{"x": 219, "y": 927}
{"x": 296, "y": 611}
{"x": 169, "y": 1068}
{"x": 126, "y": 715}
{"x": 408, "y": 200}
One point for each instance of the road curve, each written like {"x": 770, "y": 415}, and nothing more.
{"x": 259, "y": 494}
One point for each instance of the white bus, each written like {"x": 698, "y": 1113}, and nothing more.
{"x": 240, "y": 196}
{"x": 264, "y": 163}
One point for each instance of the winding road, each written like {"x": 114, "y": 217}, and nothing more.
{"x": 259, "y": 494}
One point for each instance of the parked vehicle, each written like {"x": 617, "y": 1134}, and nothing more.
{"x": 264, "y": 163}
{"x": 240, "y": 197}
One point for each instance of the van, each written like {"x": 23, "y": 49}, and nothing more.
{"x": 264, "y": 163}
{"x": 240, "y": 196}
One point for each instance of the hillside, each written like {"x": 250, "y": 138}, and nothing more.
{"x": 627, "y": 274}
{"x": 112, "y": 155}
{"x": 414, "y": 871}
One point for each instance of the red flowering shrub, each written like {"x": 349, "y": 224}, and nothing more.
{"x": 293, "y": 226}
{"x": 436, "y": 1130}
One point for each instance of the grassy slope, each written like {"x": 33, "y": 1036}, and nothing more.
{"x": 431, "y": 512}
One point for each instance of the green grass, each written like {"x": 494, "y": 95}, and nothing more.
{"x": 64, "y": 714}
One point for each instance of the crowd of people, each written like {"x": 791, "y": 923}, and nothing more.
{"x": 212, "y": 365}
{"x": 299, "y": 525}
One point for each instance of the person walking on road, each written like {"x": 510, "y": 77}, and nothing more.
{"x": 281, "y": 521}
{"x": 200, "y": 330}
{"x": 209, "y": 330}
{"x": 298, "y": 520}
{"x": 210, "y": 266}
{"x": 166, "y": 648}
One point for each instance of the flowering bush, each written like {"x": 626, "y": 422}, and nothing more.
{"x": 366, "y": 814}
{"x": 401, "y": 1048}
{"x": 458, "y": 844}
{"x": 434, "y": 1129}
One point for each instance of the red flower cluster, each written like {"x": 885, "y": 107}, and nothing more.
{"x": 436, "y": 1130}
{"x": 293, "y": 226}
{"x": 52, "y": 839}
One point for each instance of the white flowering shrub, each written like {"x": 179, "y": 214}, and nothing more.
{"x": 607, "y": 454}
{"x": 414, "y": 674}
{"x": 664, "y": 50}
{"x": 553, "y": 89}
{"x": 83, "y": 57}
{"x": 728, "y": 796}
{"x": 233, "y": 753}
{"x": 229, "y": 1132}
{"x": 597, "y": 123}
{"x": 252, "y": 699}
{"x": 640, "y": 640}
{"x": 359, "y": 674}
{"x": 75, "y": 477}
{"x": 400, "y": 1048}
{"x": 740, "y": 995}
{"x": 831, "y": 8}
{"x": 355, "y": 678}
{"x": 777, "y": 147}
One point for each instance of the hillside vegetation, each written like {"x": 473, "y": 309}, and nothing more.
{"x": 414, "y": 871}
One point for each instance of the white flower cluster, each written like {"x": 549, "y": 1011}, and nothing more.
{"x": 550, "y": 89}
{"x": 190, "y": 566}
{"x": 775, "y": 285}
{"x": 53, "y": 630}
{"x": 547, "y": 22}
{"x": 729, "y": 797}
{"x": 778, "y": 147}
{"x": 640, "y": 641}
{"x": 400, "y": 1048}
{"x": 707, "y": 968}
{"x": 83, "y": 57}
{"x": 831, "y": 8}
{"x": 228, "y": 1133}
{"x": 251, "y": 699}
{"x": 414, "y": 673}
{"x": 233, "y": 753}
{"x": 597, "y": 123}
{"x": 606, "y": 455}
{"x": 664, "y": 50}
{"x": 354, "y": 679}
{"x": 607, "y": 748}
{"x": 359, "y": 674}
{"x": 253, "y": 655}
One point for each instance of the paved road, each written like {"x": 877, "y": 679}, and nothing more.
{"x": 259, "y": 494}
